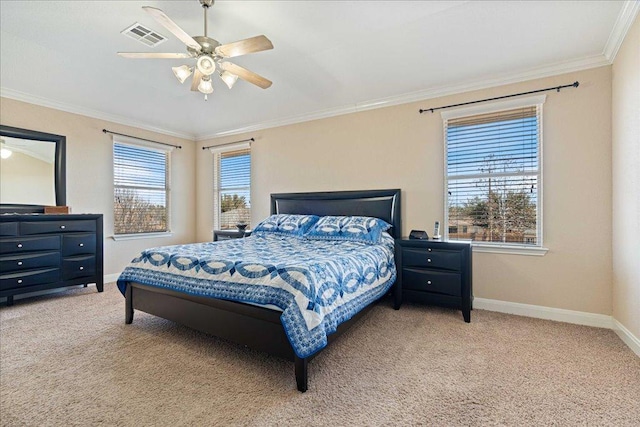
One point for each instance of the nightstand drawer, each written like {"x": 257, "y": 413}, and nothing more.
{"x": 431, "y": 281}
{"x": 431, "y": 258}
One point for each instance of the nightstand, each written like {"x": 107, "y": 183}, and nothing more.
{"x": 434, "y": 272}
{"x": 229, "y": 234}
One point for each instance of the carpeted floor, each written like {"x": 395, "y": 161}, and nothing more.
{"x": 69, "y": 359}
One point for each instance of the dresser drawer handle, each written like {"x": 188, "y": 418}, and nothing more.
{"x": 19, "y": 245}
{"x": 63, "y": 227}
{"x": 428, "y": 282}
{"x": 81, "y": 268}
{"x": 19, "y": 262}
{"x": 19, "y": 281}
{"x": 429, "y": 249}
{"x": 81, "y": 245}
{"x": 428, "y": 259}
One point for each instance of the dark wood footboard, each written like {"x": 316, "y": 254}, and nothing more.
{"x": 256, "y": 327}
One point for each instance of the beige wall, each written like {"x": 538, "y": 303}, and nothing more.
{"x": 396, "y": 147}
{"x": 626, "y": 182}
{"x": 26, "y": 180}
{"x": 90, "y": 173}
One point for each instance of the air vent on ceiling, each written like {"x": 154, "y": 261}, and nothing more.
{"x": 144, "y": 35}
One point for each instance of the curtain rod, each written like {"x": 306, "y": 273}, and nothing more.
{"x": 229, "y": 143}
{"x": 142, "y": 139}
{"x": 556, "y": 88}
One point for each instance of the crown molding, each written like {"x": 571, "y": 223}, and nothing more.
{"x": 620, "y": 29}
{"x": 83, "y": 111}
{"x": 423, "y": 95}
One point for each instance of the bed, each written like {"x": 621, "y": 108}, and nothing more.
{"x": 272, "y": 328}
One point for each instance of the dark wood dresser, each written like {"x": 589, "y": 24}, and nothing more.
{"x": 39, "y": 252}
{"x": 435, "y": 272}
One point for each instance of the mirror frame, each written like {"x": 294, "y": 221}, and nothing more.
{"x": 60, "y": 171}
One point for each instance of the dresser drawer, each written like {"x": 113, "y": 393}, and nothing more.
{"x": 29, "y": 244}
{"x": 431, "y": 258}
{"x": 77, "y": 244}
{"x": 431, "y": 281}
{"x": 29, "y": 261}
{"x": 76, "y": 267}
{"x": 8, "y": 229}
{"x": 43, "y": 227}
{"x": 29, "y": 278}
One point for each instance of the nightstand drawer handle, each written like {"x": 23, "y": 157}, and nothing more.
{"x": 428, "y": 282}
{"x": 19, "y": 281}
{"x": 428, "y": 259}
{"x": 81, "y": 268}
{"x": 63, "y": 227}
{"x": 429, "y": 249}
{"x": 19, "y": 245}
{"x": 81, "y": 245}
{"x": 19, "y": 262}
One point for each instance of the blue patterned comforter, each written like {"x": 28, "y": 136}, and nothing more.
{"x": 318, "y": 284}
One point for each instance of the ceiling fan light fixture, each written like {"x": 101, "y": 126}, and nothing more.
{"x": 182, "y": 73}
{"x": 206, "y": 65}
{"x": 205, "y": 85}
{"x": 228, "y": 78}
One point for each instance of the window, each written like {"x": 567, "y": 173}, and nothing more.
{"x": 493, "y": 173}
{"x": 232, "y": 187}
{"x": 141, "y": 189}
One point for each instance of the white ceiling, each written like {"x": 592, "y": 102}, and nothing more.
{"x": 329, "y": 57}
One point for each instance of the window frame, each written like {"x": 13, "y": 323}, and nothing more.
{"x": 217, "y": 152}
{"x": 497, "y": 247}
{"x": 151, "y": 146}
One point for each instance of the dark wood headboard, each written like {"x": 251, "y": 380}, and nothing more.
{"x": 383, "y": 204}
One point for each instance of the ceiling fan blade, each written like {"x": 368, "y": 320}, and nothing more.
{"x": 246, "y": 75}
{"x": 153, "y": 55}
{"x": 243, "y": 47}
{"x": 163, "y": 19}
{"x": 197, "y": 76}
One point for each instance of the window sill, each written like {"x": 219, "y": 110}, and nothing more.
{"x": 510, "y": 249}
{"x": 137, "y": 236}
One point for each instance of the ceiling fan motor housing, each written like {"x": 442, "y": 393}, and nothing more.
{"x": 208, "y": 45}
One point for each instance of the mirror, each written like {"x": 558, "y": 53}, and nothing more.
{"x": 32, "y": 170}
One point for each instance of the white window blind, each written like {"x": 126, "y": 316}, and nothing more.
{"x": 493, "y": 177}
{"x": 141, "y": 189}
{"x": 232, "y": 188}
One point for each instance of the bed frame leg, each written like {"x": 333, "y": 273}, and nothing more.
{"x": 301, "y": 373}
{"x": 128, "y": 305}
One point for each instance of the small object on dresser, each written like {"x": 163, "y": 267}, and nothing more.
{"x": 436, "y": 230}
{"x": 241, "y": 226}
{"x": 418, "y": 235}
{"x": 57, "y": 210}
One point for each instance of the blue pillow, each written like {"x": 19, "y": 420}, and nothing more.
{"x": 363, "y": 229}
{"x": 295, "y": 225}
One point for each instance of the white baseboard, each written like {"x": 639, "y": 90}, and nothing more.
{"x": 108, "y": 278}
{"x": 549, "y": 313}
{"x": 625, "y": 335}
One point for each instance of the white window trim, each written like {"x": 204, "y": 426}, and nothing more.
{"x": 135, "y": 236}
{"x": 500, "y": 248}
{"x": 217, "y": 151}
{"x": 149, "y": 145}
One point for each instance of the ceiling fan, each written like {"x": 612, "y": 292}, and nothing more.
{"x": 210, "y": 55}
